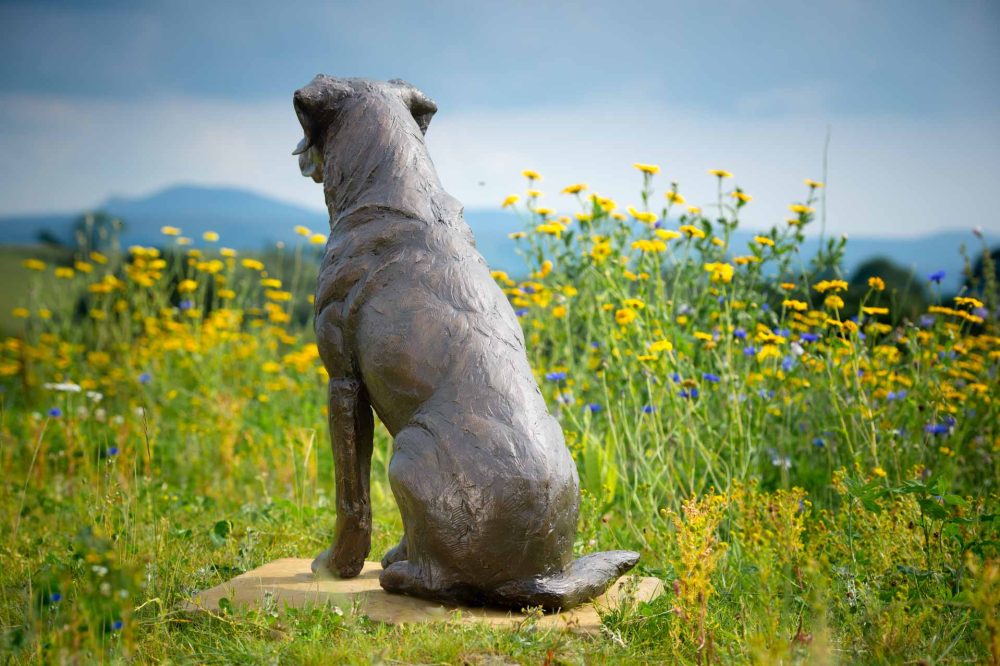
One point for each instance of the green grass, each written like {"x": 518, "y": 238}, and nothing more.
{"x": 809, "y": 488}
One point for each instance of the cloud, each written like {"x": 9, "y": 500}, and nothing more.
{"x": 887, "y": 176}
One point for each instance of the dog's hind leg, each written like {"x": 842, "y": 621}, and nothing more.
{"x": 351, "y": 434}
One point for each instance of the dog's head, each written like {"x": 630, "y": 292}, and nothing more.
{"x": 322, "y": 105}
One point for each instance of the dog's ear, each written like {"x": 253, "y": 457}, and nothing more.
{"x": 315, "y": 105}
{"x": 420, "y": 105}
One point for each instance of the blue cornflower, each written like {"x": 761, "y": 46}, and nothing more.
{"x": 936, "y": 276}
{"x": 145, "y": 378}
{"x": 55, "y": 412}
{"x": 117, "y": 625}
{"x": 896, "y": 395}
{"x": 691, "y": 394}
{"x": 787, "y": 363}
{"x": 112, "y": 451}
{"x": 595, "y": 344}
{"x": 521, "y": 312}
{"x": 809, "y": 337}
{"x": 528, "y": 289}
{"x": 749, "y": 351}
{"x": 949, "y": 420}
{"x": 594, "y": 407}
{"x": 555, "y": 376}
{"x": 55, "y": 597}
{"x": 739, "y": 334}
{"x": 186, "y": 304}
{"x": 936, "y": 429}
{"x": 784, "y": 332}
{"x": 818, "y": 442}
{"x": 709, "y": 377}
{"x": 765, "y": 394}
{"x": 675, "y": 378}
{"x": 648, "y": 409}
{"x": 926, "y": 321}
{"x": 765, "y": 307}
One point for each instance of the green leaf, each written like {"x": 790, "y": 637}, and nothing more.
{"x": 932, "y": 509}
{"x": 220, "y": 532}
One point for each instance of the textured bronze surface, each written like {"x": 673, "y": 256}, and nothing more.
{"x": 410, "y": 324}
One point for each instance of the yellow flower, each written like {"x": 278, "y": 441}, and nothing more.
{"x": 643, "y": 216}
{"x": 574, "y": 189}
{"x": 21, "y": 313}
{"x": 535, "y": 193}
{"x": 543, "y": 211}
{"x": 559, "y": 311}
{"x": 720, "y": 173}
{"x": 252, "y": 264}
{"x": 878, "y": 471}
{"x": 788, "y": 286}
{"x": 550, "y": 228}
{"x": 569, "y": 291}
{"x": 170, "y": 231}
{"x": 317, "y": 239}
{"x": 674, "y": 198}
{"x": 499, "y": 276}
{"x": 302, "y": 231}
{"x": 876, "y": 283}
{"x": 768, "y": 351}
{"x": 721, "y": 272}
{"x": 692, "y": 231}
{"x": 869, "y": 310}
{"x": 272, "y": 283}
{"x": 227, "y": 252}
{"x": 531, "y": 174}
{"x": 661, "y": 346}
{"x": 210, "y": 236}
{"x": 64, "y": 273}
{"x": 763, "y": 240}
{"x": 667, "y": 234}
{"x": 277, "y": 295}
{"x": 33, "y": 264}
{"x": 801, "y": 209}
{"x": 694, "y": 210}
{"x": 746, "y": 259}
{"x": 183, "y": 240}
{"x": 625, "y": 316}
{"x": 186, "y": 286}
{"x": 516, "y": 235}
{"x": 647, "y": 168}
{"x": 704, "y": 337}
{"x": 510, "y": 201}
{"x": 793, "y": 304}
{"x": 718, "y": 241}
{"x": 828, "y": 285}
{"x": 227, "y": 293}
{"x": 98, "y": 315}
{"x": 741, "y": 196}
{"x": 645, "y": 245}
{"x": 83, "y": 266}
{"x": 634, "y": 303}
{"x": 971, "y": 302}
{"x": 600, "y": 251}
{"x": 814, "y": 184}
{"x": 98, "y": 258}
{"x": 834, "y": 302}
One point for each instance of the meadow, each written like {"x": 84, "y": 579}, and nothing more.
{"x": 815, "y": 481}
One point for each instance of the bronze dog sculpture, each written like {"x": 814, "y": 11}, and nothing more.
{"x": 410, "y": 323}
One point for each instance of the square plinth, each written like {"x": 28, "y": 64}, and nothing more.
{"x": 290, "y": 583}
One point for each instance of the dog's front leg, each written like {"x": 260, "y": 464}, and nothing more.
{"x": 351, "y": 432}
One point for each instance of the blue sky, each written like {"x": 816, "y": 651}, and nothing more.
{"x": 103, "y": 98}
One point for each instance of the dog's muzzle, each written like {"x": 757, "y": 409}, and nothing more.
{"x": 310, "y": 160}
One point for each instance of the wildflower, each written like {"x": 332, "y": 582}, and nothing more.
{"x": 64, "y": 273}
{"x": 704, "y": 337}
{"x": 63, "y": 387}
{"x": 645, "y": 245}
{"x": 871, "y": 310}
{"x": 634, "y": 303}
{"x": 252, "y": 264}
{"x": 667, "y": 234}
{"x": 54, "y": 413}
{"x": 55, "y": 597}
{"x": 559, "y": 311}
{"x": 720, "y": 173}
{"x": 228, "y": 252}
{"x": 648, "y": 409}
{"x": 531, "y": 174}
{"x": 317, "y": 239}
{"x": 818, "y": 442}
{"x": 569, "y": 291}
{"x": 271, "y": 283}
{"x": 642, "y": 216}
{"x": 879, "y": 472}
{"x": 21, "y": 313}
{"x": 876, "y": 283}
{"x": 792, "y": 304}
{"x": 741, "y": 196}
{"x": 625, "y": 316}
{"x": 895, "y": 396}
{"x": 694, "y": 210}
{"x": 555, "y": 376}
{"x": 721, "y": 272}
{"x": 521, "y": 312}
{"x": 574, "y": 189}
{"x": 550, "y": 228}
{"x": 830, "y": 285}
{"x": 302, "y": 231}
{"x": 743, "y": 260}
{"x": 534, "y": 194}
{"x": 594, "y": 408}
{"x": 690, "y": 393}
{"x": 600, "y": 251}
{"x": 543, "y": 211}
{"x": 936, "y": 276}
{"x": 660, "y": 346}
{"x": 227, "y": 293}
{"x": 739, "y": 334}
{"x": 768, "y": 351}
{"x": 763, "y": 240}
{"x": 33, "y": 264}
{"x": 834, "y": 302}
{"x": 813, "y": 184}
{"x": 516, "y": 235}
{"x": 83, "y": 266}
{"x": 709, "y": 377}
{"x": 170, "y": 231}
{"x": 936, "y": 428}
{"x": 809, "y": 337}
{"x": 718, "y": 241}
{"x": 674, "y": 198}
{"x": 117, "y": 625}
{"x": 801, "y": 209}
{"x": 692, "y": 231}
{"x": 971, "y": 302}
{"x": 111, "y": 452}
{"x": 647, "y": 168}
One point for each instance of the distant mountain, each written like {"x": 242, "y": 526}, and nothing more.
{"x": 247, "y": 220}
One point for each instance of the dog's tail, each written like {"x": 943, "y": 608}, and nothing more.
{"x": 581, "y": 581}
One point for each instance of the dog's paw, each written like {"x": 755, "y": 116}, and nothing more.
{"x": 328, "y": 563}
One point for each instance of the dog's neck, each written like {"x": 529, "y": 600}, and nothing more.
{"x": 378, "y": 158}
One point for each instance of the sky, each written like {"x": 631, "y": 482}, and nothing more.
{"x": 126, "y": 98}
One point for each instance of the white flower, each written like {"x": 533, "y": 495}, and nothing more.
{"x": 96, "y": 396}
{"x": 82, "y": 412}
{"x": 797, "y": 349}
{"x": 140, "y": 411}
{"x": 67, "y": 387}
{"x": 100, "y": 414}
{"x": 118, "y": 419}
